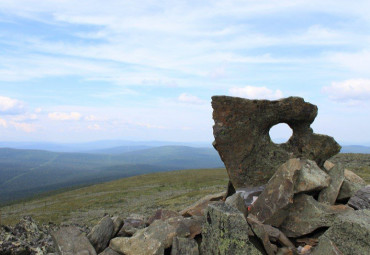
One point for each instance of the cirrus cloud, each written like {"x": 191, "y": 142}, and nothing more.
{"x": 252, "y": 92}
{"x": 65, "y": 116}
{"x": 353, "y": 90}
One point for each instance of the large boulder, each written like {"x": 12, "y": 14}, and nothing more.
{"x": 101, "y": 233}
{"x": 361, "y": 199}
{"x": 71, "y": 241}
{"x": 241, "y": 132}
{"x": 351, "y": 184}
{"x": 226, "y": 231}
{"x": 184, "y": 246}
{"x": 152, "y": 240}
{"x": 306, "y": 215}
{"x": 329, "y": 194}
{"x": 294, "y": 176}
{"x": 349, "y": 235}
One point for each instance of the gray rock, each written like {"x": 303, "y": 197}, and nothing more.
{"x": 361, "y": 199}
{"x": 198, "y": 208}
{"x": 184, "y": 246}
{"x": 117, "y": 223}
{"x": 241, "y": 132}
{"x": 351, "y": 184}
{"x": 226, "y": 231}
{"x": 71, "y": 241}
{"x": 306, "y": 215}
{"x": 237, "y": 202}
{"x": 311, "y": 177}
{"x": 109, "y": 251}
{"x": 162, "y": 214}
{"x": 151, "y": 240}
{"x": 349, "y": 235}
{"x": 101, "y": 234}
{"x": 130, "y": 226}
{"x": 329, "y": 194}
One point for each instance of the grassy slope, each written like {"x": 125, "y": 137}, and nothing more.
{"x": 139, "y": 194}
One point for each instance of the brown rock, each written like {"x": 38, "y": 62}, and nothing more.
{"x": 351, "y": 184}
{"x": 184, "y": 246}
{"x": 109, "y": 251}
{"x": 361, "y": 199}
{"x": 241, "y": 132}
{"x": 101, "y": 233}
{"x": 329, "y": 194}
{"x": 130, "y": 226}
{"x": 162, "y": 214}
{"x": 306, "y": 215}
{"x": 71, "y": 241}
{"x": 198, "y": 208}
{"x": 117, "y": 223}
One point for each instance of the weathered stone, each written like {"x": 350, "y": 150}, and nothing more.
{"x": 361, "y": 199}
{"x": 194, "y": 224}
{"x": 311, "y": 177}
{"x": 109, "y": 251}
{"x": 329, "y": 194}
{"x": 198, "y": 208}
{"x": 351, "y": 184}
{"x": 241, "y": 132}
{"x": 328, "y": 165}
{"x": 267, "y": 233}
{"x": 226, "y": 231}
{"x": 117, "y": 223}
{"x": 130, "y": 226}
{"x": 71, "y": 241}
{"x": 162, "y": 214}
{"x": 249, "y": 193}
{"x": 237, "y": 202}
{"x": 307, "y": 215}
{"x": 271, "y": 206}
{"x": 151, "y": 240}
{"x": 349, "y": 235}
{"x": 184, "y": 246}
{"x": 101, "y": 233}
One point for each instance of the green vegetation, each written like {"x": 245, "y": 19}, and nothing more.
{"x": 139, "y": 194}
{"x": 25, "y": 173}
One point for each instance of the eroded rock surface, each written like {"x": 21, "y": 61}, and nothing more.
{"x": 361, "y": 199}
{"x": 226, "y": 231}
{"x": 101, "y": 234}
{"x": 184, "y": 246}
{"x": 351, "y": 184}
{"x": 329, "y": 194}
{"x": 241, "y": 132}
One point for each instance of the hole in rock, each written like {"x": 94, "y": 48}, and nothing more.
{"x": 280, "y": 133}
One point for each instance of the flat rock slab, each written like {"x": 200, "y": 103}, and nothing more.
{"x": 349, "y": 235}
{"x": 101, "y": 233}
{"x": 294, "y": 176}
{"x": 71, "y": 241}
{"x": 198, "y": 208}
{"x": 241, "y": 132}
{"x": 361, "y": 199}
{"x": 306, "y": 215}
{"x": 226, "y": 231}
{"x": 329, "y": 194}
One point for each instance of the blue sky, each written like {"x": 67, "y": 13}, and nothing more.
{"x": 74, "y": 71}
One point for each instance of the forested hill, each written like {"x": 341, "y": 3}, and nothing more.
{"x": 24, "y": 173}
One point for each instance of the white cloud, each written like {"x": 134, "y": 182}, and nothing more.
{"x": 38, "y": 110}
{"x": 26, "y": 127}
{"x": 90, "y": 118}
{"x": 190, "y": 99}
{"x": 354, "y": 90}
{"x": 94, "y": 127}
{"x": 25, "y": 117}
{"x": 65, "y": 116}
{"x": 10, "y": 106}
{"x": 3, "y": 123}
{"x": 252, "y": 92}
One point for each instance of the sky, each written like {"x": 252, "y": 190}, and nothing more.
{"x": 76, "y": 71}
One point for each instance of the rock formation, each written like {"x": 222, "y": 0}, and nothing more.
{"x": 241, "y": 132}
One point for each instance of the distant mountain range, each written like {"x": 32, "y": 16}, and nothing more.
{"x": 24, "y": 173}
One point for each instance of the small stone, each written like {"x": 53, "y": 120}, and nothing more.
{"x": 117, "y": 223}
{"x": 101, "y": 233}
{"x": 71, "y": 241}
{"x": 361, "y": 199}
{"x": 184, "y": 246}
{"x": 329, "y": 194}
{"x": 198, "y": 208}
{"x": 351, "y": 184}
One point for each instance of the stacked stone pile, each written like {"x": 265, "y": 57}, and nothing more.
{"x": 285, "y": 199}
